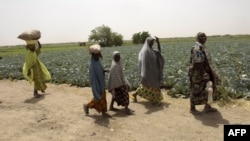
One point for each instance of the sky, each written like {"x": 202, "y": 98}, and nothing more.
{"x": 62, "y": 21}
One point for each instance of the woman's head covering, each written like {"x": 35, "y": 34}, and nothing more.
{"x": 97, "y": 78}
{"x": 30, "y": 36}
{"x": 116, "y": 77}
{"x": 150, "y": 65}
{"x": 150, "y": 41}
{"x": 113, "y": 56}
{"x": 95, "y": 49}
{"x": 31, "y": 42}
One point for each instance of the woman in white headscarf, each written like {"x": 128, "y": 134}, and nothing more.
{"x": 118, "y": 85}
{"x": 151, "y": 64}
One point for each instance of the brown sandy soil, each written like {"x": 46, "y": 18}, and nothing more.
{"x": 59, "y": 116}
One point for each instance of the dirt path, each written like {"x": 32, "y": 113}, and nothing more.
{"x": 59, "y": 116}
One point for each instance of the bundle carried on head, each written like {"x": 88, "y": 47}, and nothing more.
{"x": 30, "y": 36}
{"x": 95, "y": 49}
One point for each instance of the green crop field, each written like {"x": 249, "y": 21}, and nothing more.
{"x": 68, "y": 63}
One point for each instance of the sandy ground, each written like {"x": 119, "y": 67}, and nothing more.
{"x": 59, "y": 116}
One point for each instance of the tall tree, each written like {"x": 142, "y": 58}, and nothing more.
{"x": 105, "y": 37}
{"x": 140, "y": 37}
{"x": 136, "y": 38}
{"x": 117, "y": 39}
{"x": 143, "y": 36}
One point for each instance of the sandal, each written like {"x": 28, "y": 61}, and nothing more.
{"x": 194, "y": 112}
{"x": 36, "y": 95}
{"x": 210, "y": 109}
{"x": 105, "y": 115}
{"x": 128, "y": 112}
{"x": 86, "y": 109}
{"x": 113, "y": 109}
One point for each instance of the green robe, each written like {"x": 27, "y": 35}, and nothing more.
{"x": 38, "y": 72}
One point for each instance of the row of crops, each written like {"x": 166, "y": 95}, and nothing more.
{"x": 71, "y": 66}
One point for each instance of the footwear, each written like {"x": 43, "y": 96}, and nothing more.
{"x": 210, "y": 109}
{"x": 113, "y": 109}
{"x": 105, "y": 115}
{"x": 194, "y": 112}
{"x": 36, "y": 95}
{"x": 128, "y": 111}
{"x": 86, "y": 109}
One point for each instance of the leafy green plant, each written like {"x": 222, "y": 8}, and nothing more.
{"x": 68, "y": 63}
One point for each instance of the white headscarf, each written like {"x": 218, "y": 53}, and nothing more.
{"x": 150, "y": 64}
{"x": 116, "y": 77}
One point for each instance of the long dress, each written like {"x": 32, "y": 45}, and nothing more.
{"x": 97, "y": 82}
{"x": 38, "y": 72}
{"x": 151, "y": 64}
{"x": 200, "y": 73}
{"x": 118, "y": 85}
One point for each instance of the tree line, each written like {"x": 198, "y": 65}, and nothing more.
{"x": 107, "y": 38}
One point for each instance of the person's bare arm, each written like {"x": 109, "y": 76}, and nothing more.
{"x": 158, "y": 43}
